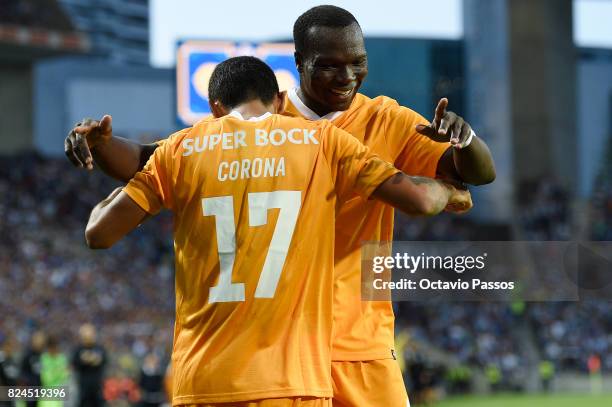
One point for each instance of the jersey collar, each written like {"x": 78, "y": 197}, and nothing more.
{"x": 305, "y": 110}
{"x": 237, "y": 115}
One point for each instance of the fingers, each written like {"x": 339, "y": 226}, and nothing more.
{"x": 70, "y": 151}
{"x": 446, "y": 126}
{"x": 86, "y": 126}
{"x": 463, "y": 136}
{"x": 88, "y": 121}
{"x": 448, "y": 123}
{"x": 431, "y": 132}
{"x": 440, "y": 111}
{"x": 85, "y": 129}
{"x": 82, "y": 151}
{"x": 466, "y": 201}
{"x": 428, "y": 131}
{"x": 106, "y": 124}
{"x": 457, "y": 208}
{"x": 443, "y": 127}
{"x": 460, "y": 201}
{"x": 456, "y": 129}
{"x": 83, "y": 137}
{"x": 94, "y": 131}
{"x": 465, "y": 207}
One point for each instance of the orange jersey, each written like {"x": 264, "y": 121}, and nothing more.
{"x": 254, "y": 206}
{"x": 363, "y": 330}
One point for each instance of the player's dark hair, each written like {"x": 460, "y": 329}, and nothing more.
{"x": 320, "y": 16}
{"x": 241, "y": 79}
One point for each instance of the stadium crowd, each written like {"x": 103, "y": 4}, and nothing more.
{"x": 485, "y": 335}
{"x": 53, "y": 283}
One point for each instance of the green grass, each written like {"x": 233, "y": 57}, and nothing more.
{"x": 544, "y": 400}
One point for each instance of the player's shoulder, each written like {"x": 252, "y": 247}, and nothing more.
{"x": 380, "y": 105}
{"x": 366, "y": 109}
{"x": 173, "y": 142}
{"x": 300, "y": 122}
{"x": 178, "y": 136}
{"x": 207, "y": 121}
{"x": 202, "y": 125}
{"x": 362, "y": 101}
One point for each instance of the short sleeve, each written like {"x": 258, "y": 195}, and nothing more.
{"x": 354, "y": 168}
{"x": 415, "y": 154}
{"x": 152, "y": 187}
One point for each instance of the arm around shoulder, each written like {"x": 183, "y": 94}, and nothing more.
{"x": 112, "y": 219}
{"x": 93, "y": 141}
{"x": 422, "y": 196}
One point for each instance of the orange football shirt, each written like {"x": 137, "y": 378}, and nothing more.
{"x": 363, "y": 330}
{"x": 254, "y": 207}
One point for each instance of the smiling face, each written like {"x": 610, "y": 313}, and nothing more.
{"x": 332, "y": 68}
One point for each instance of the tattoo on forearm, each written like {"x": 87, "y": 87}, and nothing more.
{"x": 438, "y": 190}
{"x": 423, "y": 180}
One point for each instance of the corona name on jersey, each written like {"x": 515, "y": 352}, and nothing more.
{"x": 249, "y": 168}
{"x": 255, "y": 168}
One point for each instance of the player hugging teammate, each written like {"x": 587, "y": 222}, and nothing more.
{"x": 256, "y": 258}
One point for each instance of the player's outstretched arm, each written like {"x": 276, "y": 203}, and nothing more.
{"x": 469, "y": 160}
{"x": 111, "y": 219}
{"x": 422, "y": 196}
{"x": 92, "y": 140}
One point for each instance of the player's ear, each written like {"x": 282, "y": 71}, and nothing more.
{"x": 298, "y": 61}
{"x": 281, "y": 101}
{"x": 217, "y": 108}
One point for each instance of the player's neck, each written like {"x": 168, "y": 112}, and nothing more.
{"x": 312, "y": 105}
{"x": 253, "y": 108}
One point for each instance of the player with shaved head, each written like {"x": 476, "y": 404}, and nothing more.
{"x": 332, "y": 62}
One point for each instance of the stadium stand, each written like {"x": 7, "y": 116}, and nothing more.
{"x": 57, "y": 283}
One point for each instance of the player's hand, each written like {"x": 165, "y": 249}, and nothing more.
{"x": 460, "y": 201}
{"x": 85, "y": 136}
{"x": 446, "y": 126}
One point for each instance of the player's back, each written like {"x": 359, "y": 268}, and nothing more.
{"x": 254, "y": 205}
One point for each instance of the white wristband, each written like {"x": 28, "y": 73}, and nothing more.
{"x": 466, "y": 142}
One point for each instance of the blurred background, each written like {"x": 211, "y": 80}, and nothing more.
{"x": 532, "y": 77}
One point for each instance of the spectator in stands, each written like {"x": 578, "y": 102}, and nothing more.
{"x": 40, "y": 221}
{"x": 546, "y": 369}
{"x": 152, "y": 381}
{"x": 9, "y": 369}
{"x": 53, "y": 370}
{"x": 88, "y": 362}
{"x": 30, "y": 364}
{"x": 41, "y": 218}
